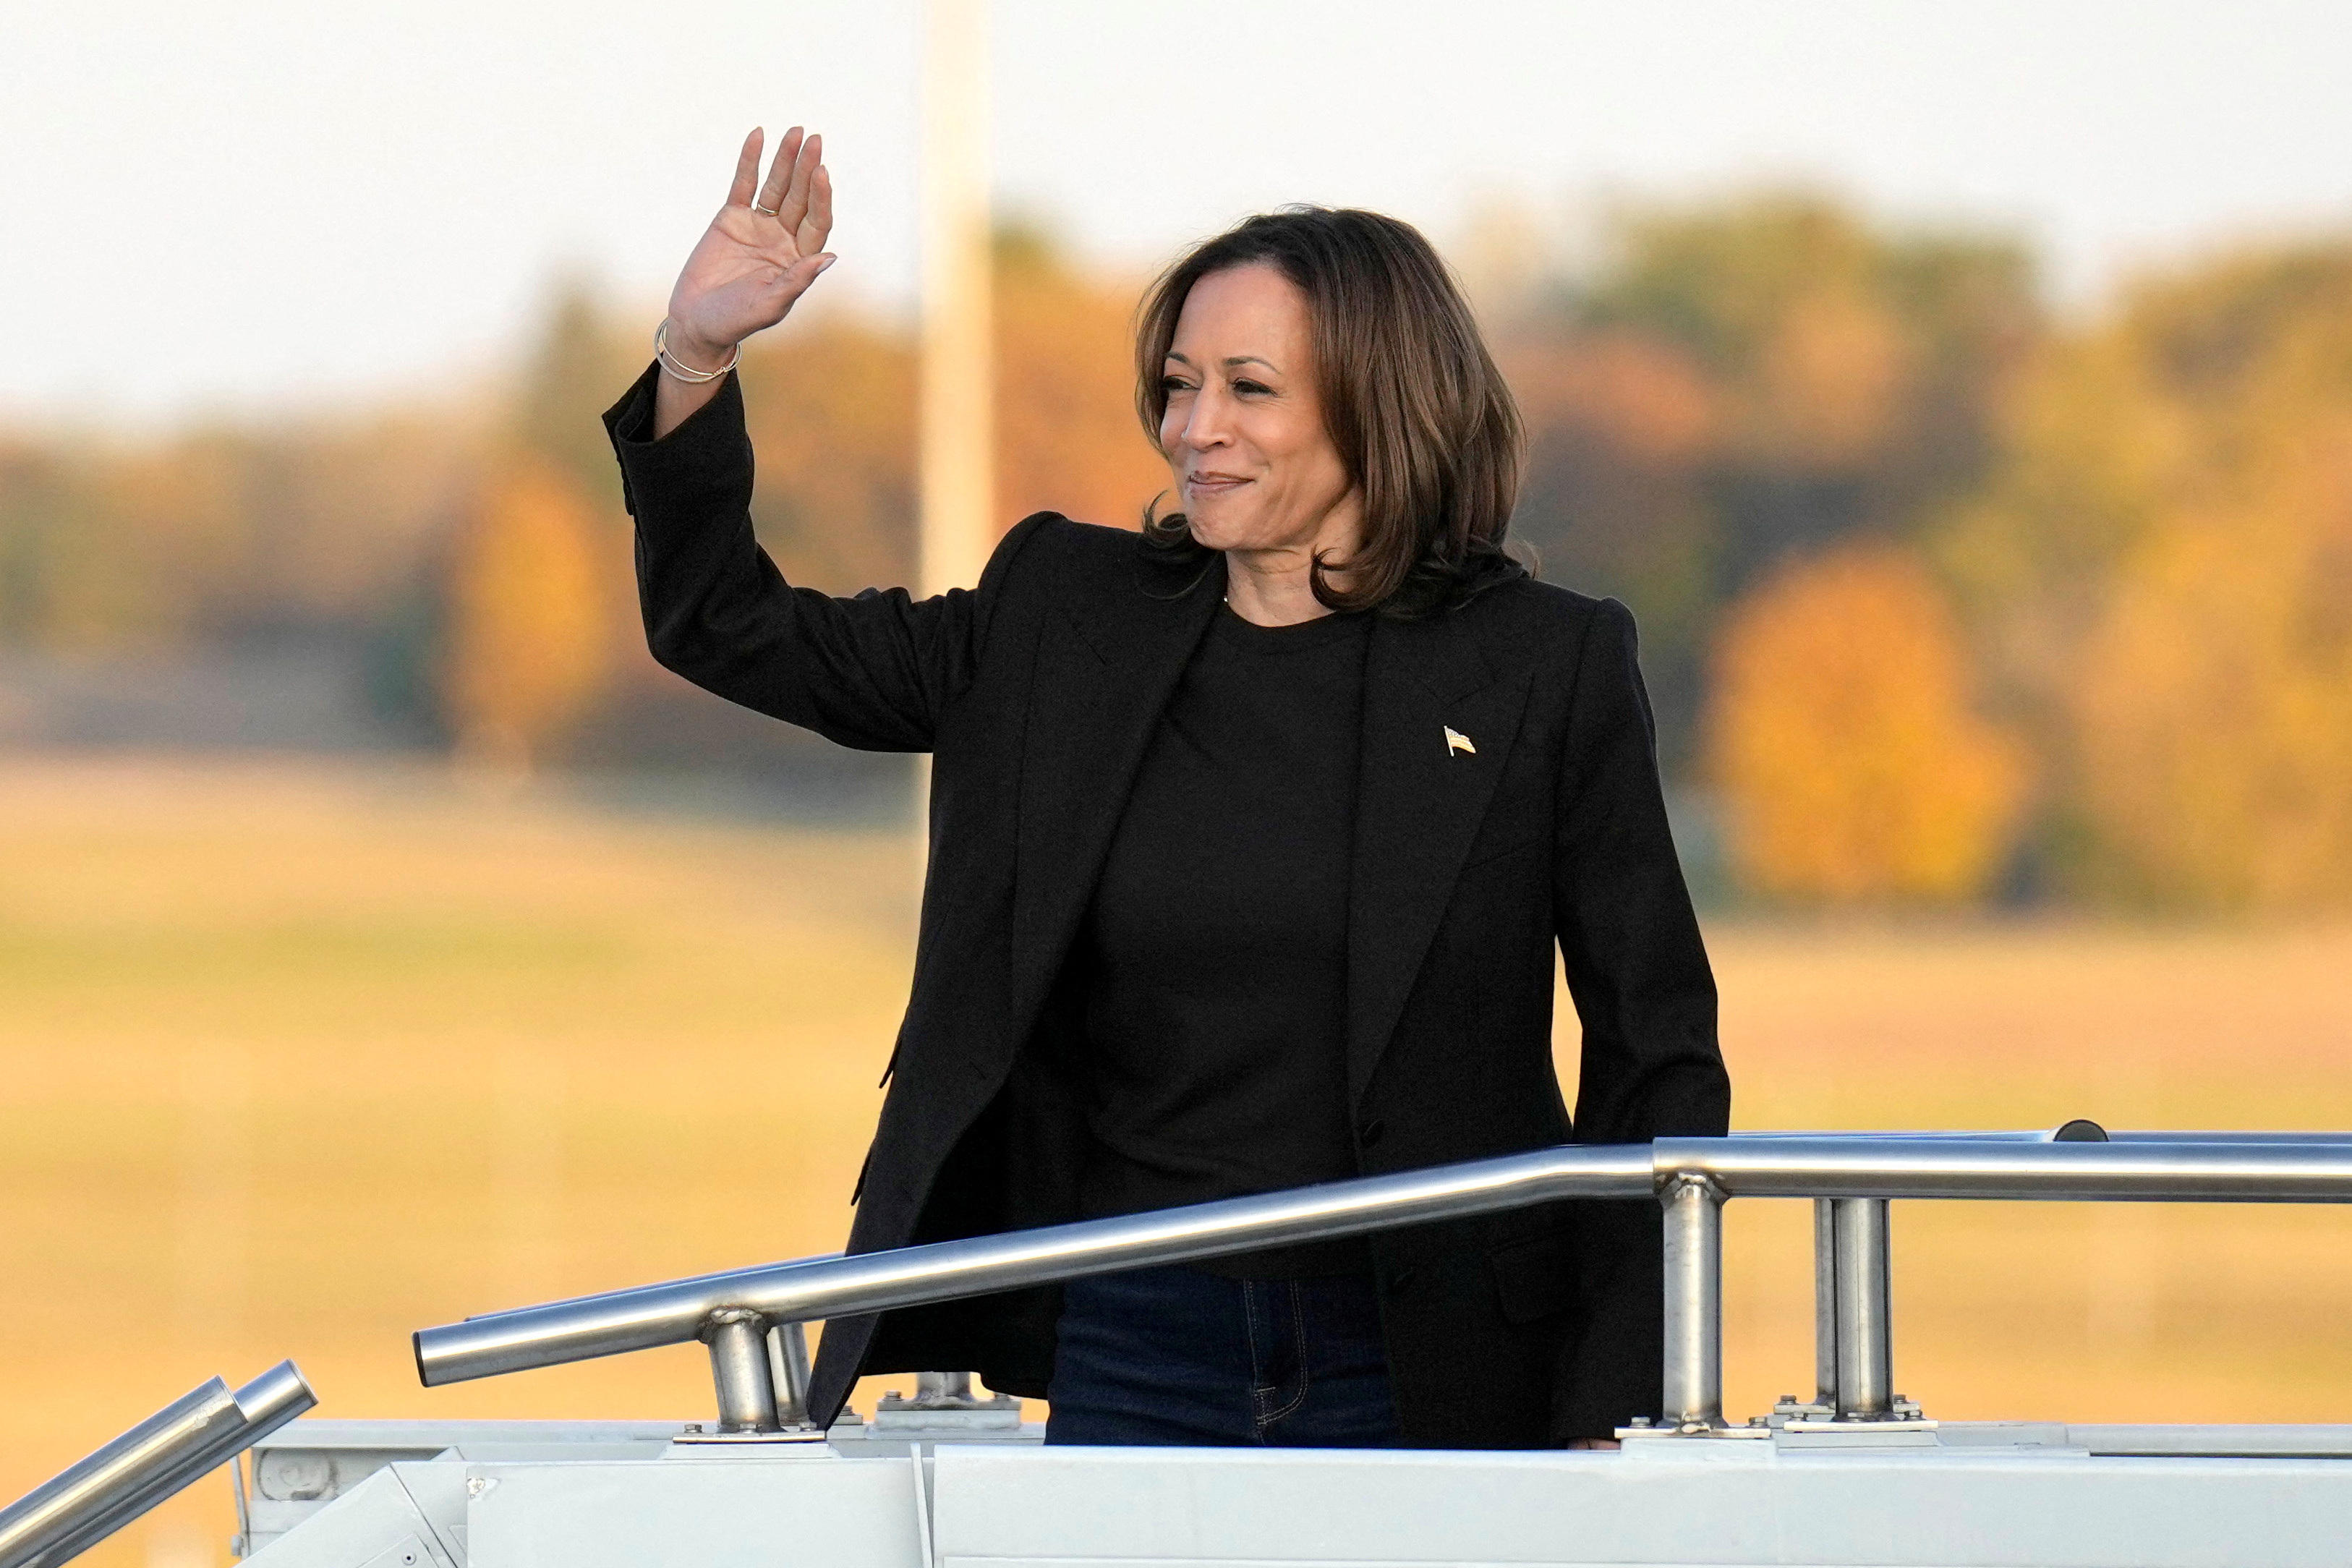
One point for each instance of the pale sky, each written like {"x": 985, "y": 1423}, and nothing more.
{"x": 256, "y": 205}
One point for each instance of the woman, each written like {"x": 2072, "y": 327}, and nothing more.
{"x": 1250, "y": 838}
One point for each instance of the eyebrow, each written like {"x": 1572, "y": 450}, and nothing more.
{"x": 1231, "y": 361}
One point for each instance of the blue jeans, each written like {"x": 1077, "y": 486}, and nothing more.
{"x": 1179, "y": 1357}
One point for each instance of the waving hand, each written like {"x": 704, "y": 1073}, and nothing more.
{"x": 755, "y": 260}
{"x": 759, "y": 255}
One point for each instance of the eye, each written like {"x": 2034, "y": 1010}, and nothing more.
{"x": 1173, "y": 384}
{"x": 1248, "y": 389}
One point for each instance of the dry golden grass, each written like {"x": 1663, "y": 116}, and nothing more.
{"x": 295, "y": 1060}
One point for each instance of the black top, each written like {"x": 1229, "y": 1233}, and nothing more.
{"x": 1215, "y": 976}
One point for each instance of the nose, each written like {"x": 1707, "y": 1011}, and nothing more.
{"x": 1206, "y": 421}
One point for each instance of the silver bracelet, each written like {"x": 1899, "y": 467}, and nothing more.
{"x": 678, "y": 367}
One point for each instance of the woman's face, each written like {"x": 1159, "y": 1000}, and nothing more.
{"x": 1253, "y": 468}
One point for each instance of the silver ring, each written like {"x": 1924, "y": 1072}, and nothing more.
{"x": 765, "y": 212}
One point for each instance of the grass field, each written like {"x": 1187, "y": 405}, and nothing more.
{"x": 296, "y": 1059}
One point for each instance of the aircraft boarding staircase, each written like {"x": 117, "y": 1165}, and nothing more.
{"x": 1855, "y": 1475}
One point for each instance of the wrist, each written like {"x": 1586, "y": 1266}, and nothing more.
{"x": 690, "y": 349}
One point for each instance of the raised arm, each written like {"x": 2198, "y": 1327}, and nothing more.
{"x": 874, "y": 671}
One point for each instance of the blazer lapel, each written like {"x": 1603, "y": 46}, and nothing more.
{"x": 1100, "y": 687}
{"x": 1438, "y": 728}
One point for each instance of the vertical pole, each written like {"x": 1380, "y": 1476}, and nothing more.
{"x": 1865, "y": 1342}
{"x": 788, "y": 1370}
{"x": 739, "y": 1369}
{"x": 243, "y": 1545}
{"x": 943, "y": 1390}
{"x": 957, "y": 428}
{"x": 1694, "y": 1368}
{"x": 1825, "y": 1319}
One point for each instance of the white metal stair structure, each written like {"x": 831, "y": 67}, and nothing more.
{"x": 1853, "y": 1476}
{"x": 507, "y": 1495}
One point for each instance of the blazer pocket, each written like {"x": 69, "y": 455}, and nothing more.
{"x": 1534, "y": 1279}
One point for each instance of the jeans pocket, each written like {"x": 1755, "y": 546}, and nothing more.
{"x": 1278, "y": 1349}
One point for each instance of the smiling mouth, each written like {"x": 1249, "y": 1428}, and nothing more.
{"x": 1212, "y": 484}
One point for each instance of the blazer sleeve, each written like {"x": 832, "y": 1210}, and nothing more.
{"x": 874, "y": 671}
{"x": 1638, "y": 973}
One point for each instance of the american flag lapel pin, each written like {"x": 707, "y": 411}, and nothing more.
{"x": 1455, "y": 741}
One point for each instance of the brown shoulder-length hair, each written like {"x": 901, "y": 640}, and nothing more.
{"x": 1424, "y": 422}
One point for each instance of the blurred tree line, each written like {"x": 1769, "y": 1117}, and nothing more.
{"x": 1942, "y": 601}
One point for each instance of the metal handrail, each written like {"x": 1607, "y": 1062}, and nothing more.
{"x": 2079, "y": 1131}
{"x": 1852, "y": 1176}
{"x": 1851, "y": 1180}
{"x": 681, "y": 1311}
{"x": 2309, "y": 1139}
{"x": 1866, "y": 1167}
{"x": 188, "y": 1438}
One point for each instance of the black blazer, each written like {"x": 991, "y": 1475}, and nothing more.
{"x": 1035, "y": 695}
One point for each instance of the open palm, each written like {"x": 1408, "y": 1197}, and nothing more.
{"x": 759, "y": 253}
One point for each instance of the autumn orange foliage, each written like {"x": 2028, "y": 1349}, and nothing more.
{"x": 1066, "y": 439}
{"x": 2140, "y": 522}
{"x": 831, "y": 409}
{"x": 1852, "y": 765}
{"x": 2160, "y": 577}
{"x": 2214, "y": 709}
{"x": 529, "y": 633}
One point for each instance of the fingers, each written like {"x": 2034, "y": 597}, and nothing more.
{"x": 794, "y": 206}
{"x": 817, "y": 225}
{"x": 779, "y": 172}
{"x": 746, "y": 171}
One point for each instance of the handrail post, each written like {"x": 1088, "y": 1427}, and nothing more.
{"x": 1862, "y": 1298}
{"x": 788, "y": 1371}
{"x": 1825, "y": 1318}
{"x": 942, "y": 1390}
{"x": 1692, "y": 1392}
{"x": 738, "y": 1368}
